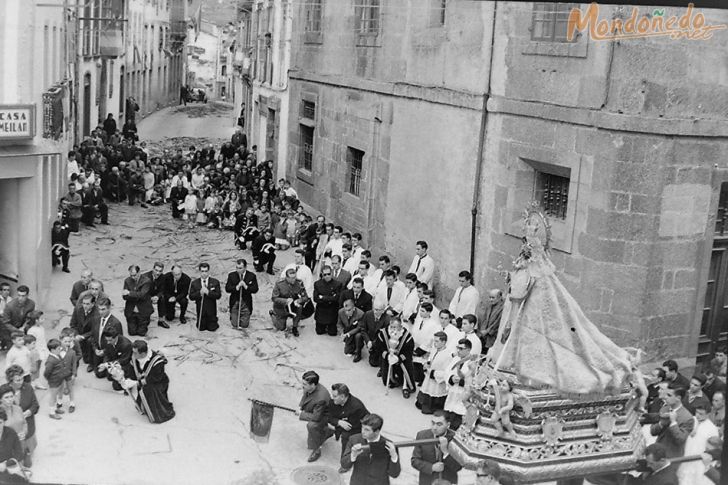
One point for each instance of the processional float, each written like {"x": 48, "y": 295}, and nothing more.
{"x": 573, "y": 412}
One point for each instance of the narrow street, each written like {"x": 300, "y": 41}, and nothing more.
{"x": 212, "y": 375}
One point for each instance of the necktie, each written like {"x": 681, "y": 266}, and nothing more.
{"x": 356, "y": 296}
{"x": 389, "y": 294}
{"x": 297, "y": 266}
{"x": 419, "y": 260}
{"x": 381, "y": 277}
{"x": 101, "y": 329}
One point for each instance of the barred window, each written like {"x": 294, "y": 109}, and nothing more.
{"x": 308, "y": 110}
{"x": 305, "y": 158}
{"x": 552, "y": 191}
{"x": 313, "y": 16}
{"x": 549, "y": 21}
{"x": 367, "y": 17}
{"x": 354, "y": 160}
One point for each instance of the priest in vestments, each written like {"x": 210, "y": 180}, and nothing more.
{"x": 148, "y": 383}
{"x": 205, "y": 291}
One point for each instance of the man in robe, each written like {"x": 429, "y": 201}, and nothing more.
{"x": 412, "y": 299}
{"x": 205, "y": 291}
{"x": 422, "y": 264}
{"x": 264, "y": 251}
{"x": 148, "y": 383}
{"x": 434, "y": 386}
{"x": 175, "y": 289}
{"x": 326, "y": 293}
{"x": 466, "y": 298}
{"x": 395, "y": 345}
{"x": 138, "y": 307}
{"x": 392, "y": 293}
{"x": 241, "y": 284}
{"x": 488, "y": 329}
{"x": 459, "y": 371}
{"x": 423, "y": 333}
{"x": 345, "y": 414}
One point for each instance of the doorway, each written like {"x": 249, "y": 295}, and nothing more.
{"x": 270, "y": 135}
{"x": 86, "y": 126}
{"x": 714, "y": 324}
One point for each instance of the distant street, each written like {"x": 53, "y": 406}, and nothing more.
{"x": 212, "y": 375}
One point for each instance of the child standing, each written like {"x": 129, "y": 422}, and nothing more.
{"x": 292, "y": 226}
{"x": 70, "y": 362}
{"x": 19, "y": 354}
{"x": 35, "y": 361}
{"x": 56, "y": 374}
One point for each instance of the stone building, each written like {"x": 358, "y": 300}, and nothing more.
{"x": 271, "y": 23}
{"x": 443, "y": 123}
{"x": 36, "y": 132}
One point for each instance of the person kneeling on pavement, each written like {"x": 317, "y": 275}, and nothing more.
{"x": 117, "y": 354}
{"x": 314, "y": 409}
{"x": 289, "y": 298}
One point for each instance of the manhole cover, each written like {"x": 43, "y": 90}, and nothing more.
{"x": 315, "y": 474}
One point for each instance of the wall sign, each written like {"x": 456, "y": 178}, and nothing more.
{"x": 17, "y": 121}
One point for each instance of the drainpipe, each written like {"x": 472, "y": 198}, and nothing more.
{"x": 481, "y": 147}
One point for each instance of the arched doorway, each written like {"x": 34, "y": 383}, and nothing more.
{"x": 86, "y": 126}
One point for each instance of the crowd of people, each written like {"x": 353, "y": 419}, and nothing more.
{"x": 380, "y": 312}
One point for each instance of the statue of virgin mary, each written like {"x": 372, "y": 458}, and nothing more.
{"x": 544, "y": 336}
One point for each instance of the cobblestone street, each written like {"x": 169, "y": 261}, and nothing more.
{"x": 212, "y": 375}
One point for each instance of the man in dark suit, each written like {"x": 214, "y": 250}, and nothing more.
{"x": 339, "y": 274}
{"x": 264, "y": 253}
{"x": 83, "y": 319}
{"x": 117, "y": 348}
{"x": 205, "y": 291}
{"x": 675, "y": 425}
{"x": 656, "y": 468}
{"x": 345, "y": 415}
{"x": 350, "y": 320}
{"x": 326, "y": 293}
{"x": 488, "y": 328}
{"x": 93, "y": 203}
{"x": 156, "y": 276}
{"x": 241, "y": 284}
{"x": 80, "y": 286}
{"x": 434, "y": 460}
{"x": 314, "y": 409}
{"x": 374, "y": 458}
{"x": 138, "y": 307}
{"x": 95, "y": 337}
{"x": 175, "y": 289}
{"x": 372, "y": 322}
{"x": 362, "y": 300}
{"x": 177, "y": 197}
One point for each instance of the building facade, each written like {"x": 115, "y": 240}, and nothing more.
{"x": 239, "y": 77}
{"x": 36, "y": 132}
{"x": 128, "y": 48}
{"x": 444, "y": 122}
{"x": 203, "y": 59}
{"x": 272, "y": 23}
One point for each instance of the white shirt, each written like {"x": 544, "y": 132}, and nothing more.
{"x": 185, "y": 182}
{"x": 290, "y": 192}
{"x": 3, "y": 303}
{"x": 198, "y": 180}
{"x": 411, "y": 301}
{"x": 370, "y": 284}
{"x": 423, "y": 333}
{"x": 351, "y": 265}
{"x": 72, "y": 168}
{"x": 693, "y": 473}
{"x": 426, "y": 270}
{"x": 336, "y": 246}
{"x": 396, "y": 301}
{"x": 304, "y": 274}
{"x": 356, "y": 254}
{"x": 475, "y": 340}
{"x": 465, "y": 301}
{"x": 453, "y": 335}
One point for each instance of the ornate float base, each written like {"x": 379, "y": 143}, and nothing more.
{"x": 560, "y": 438}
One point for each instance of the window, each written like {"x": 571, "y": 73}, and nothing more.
{"x": 305, "y": 158}
{"x": 437, "y": 13}
{"x": 549, "y": 21}
{"x": 223, "y": 71}
{"x": 308, "y": 110}
{"x": 354, "y": 159}
{"x": 552, "y": 192}
{"x": 367, "y": 17}
{"x": 313, "y": 16}
{"x": 721, "y": 217}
